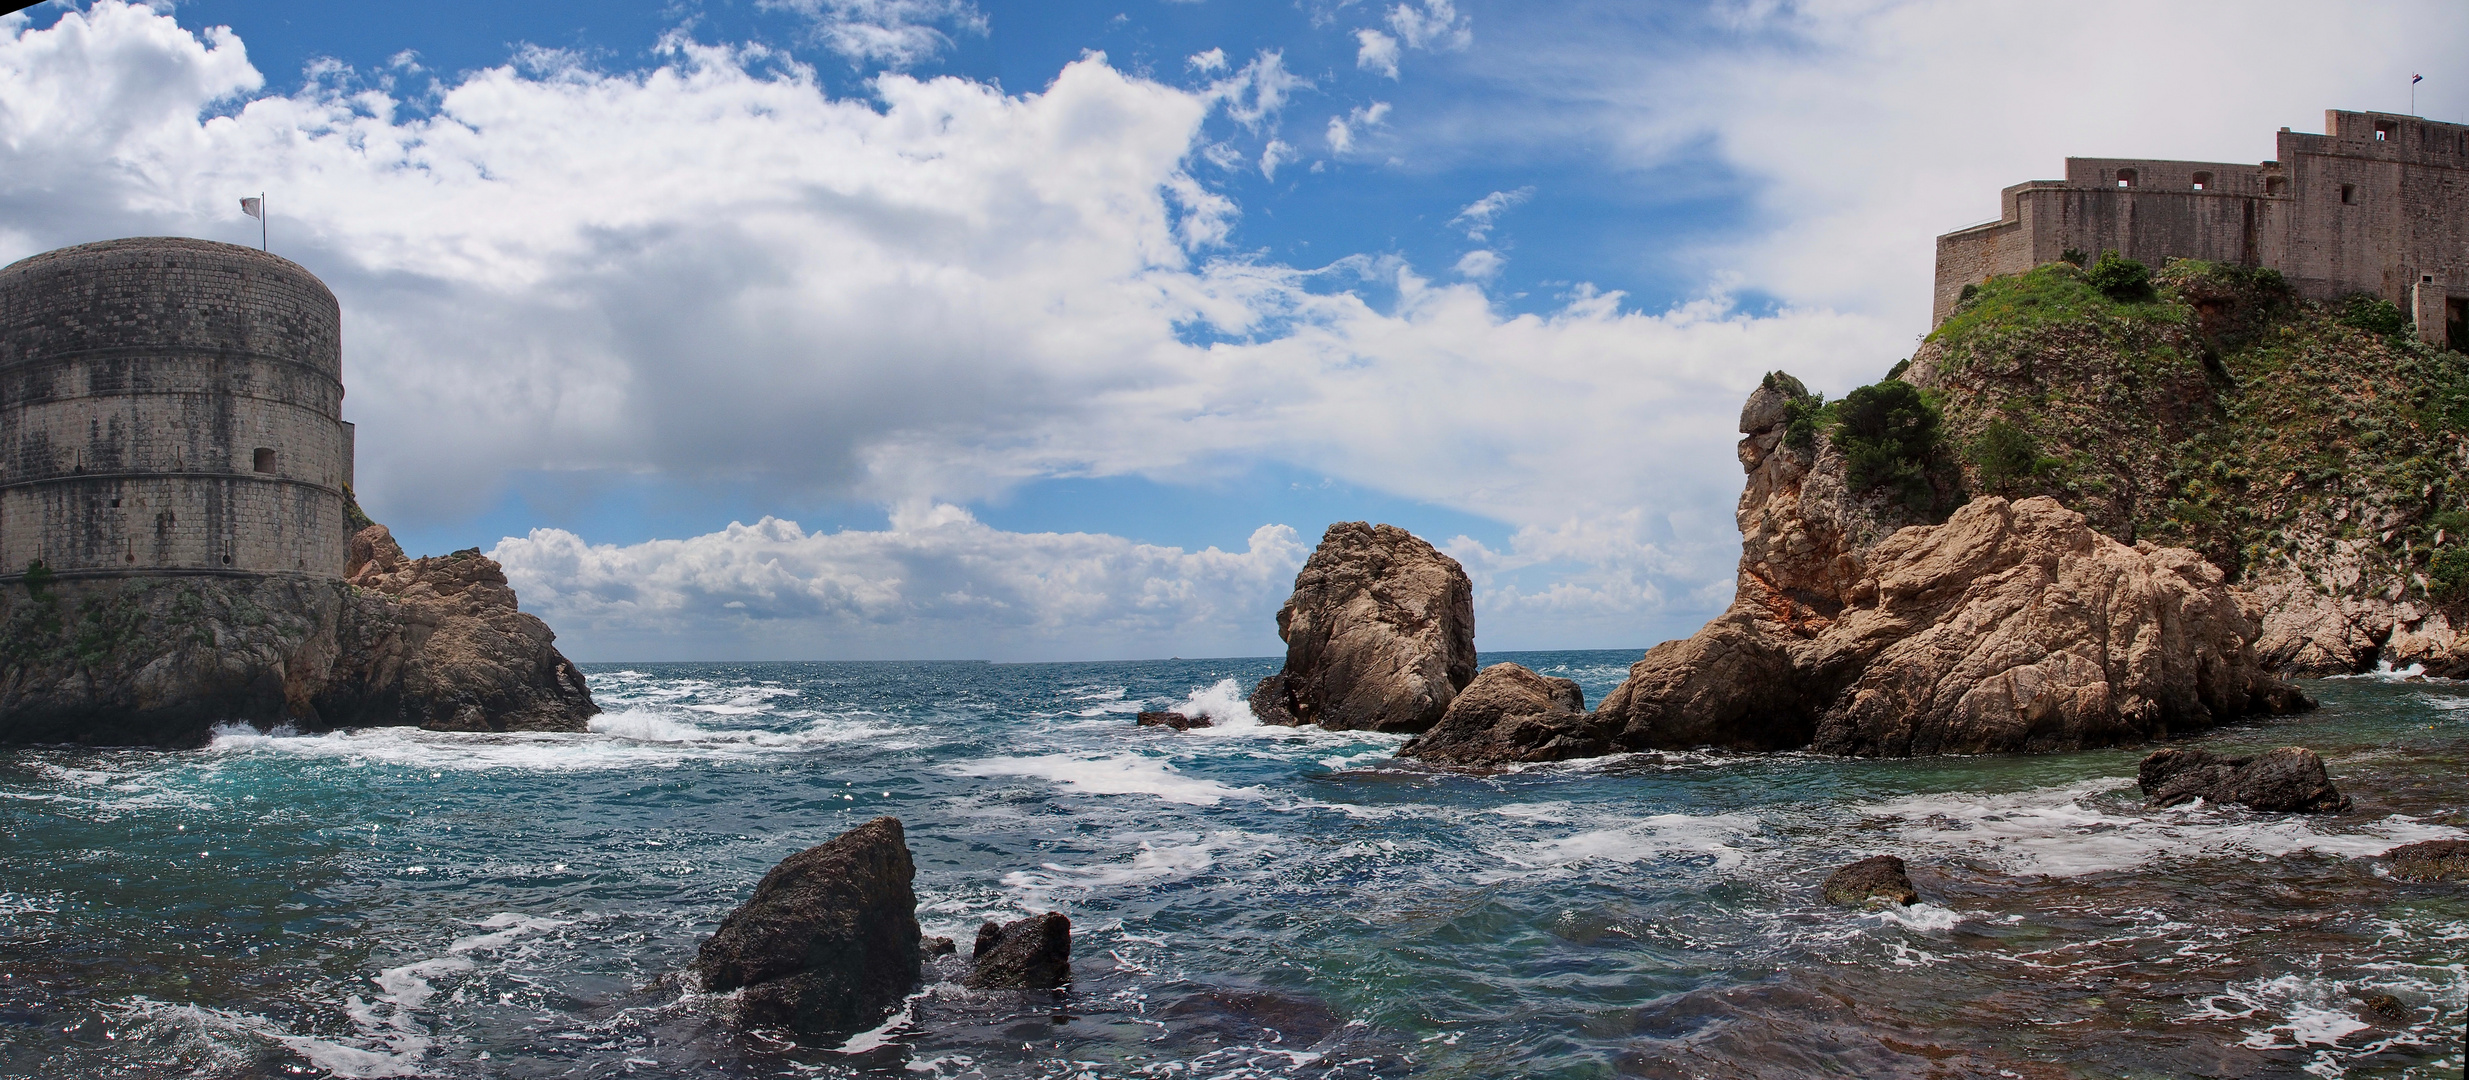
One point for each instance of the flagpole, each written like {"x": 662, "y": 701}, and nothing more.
{"x": 261, "y": 196}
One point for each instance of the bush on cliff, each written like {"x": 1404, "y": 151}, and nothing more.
{"x": 1889, "y": 433}
{"x": 2007, "y": 459}
{"x": 2120, "y": 278}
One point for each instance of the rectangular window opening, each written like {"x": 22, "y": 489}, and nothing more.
{"x": 2274, "y": 185}
{"x": 2349, "y": 193}
{"x": 2126, "y": 177}
{"x": 265, "y": 459}
{"x": 2203, "y": 181}
{"x": 2456, "y": 323}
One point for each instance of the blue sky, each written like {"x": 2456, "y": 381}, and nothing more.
{"x": 1060, "y": 330}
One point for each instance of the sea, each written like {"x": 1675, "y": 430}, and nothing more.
{"x": 1246, "y": 901}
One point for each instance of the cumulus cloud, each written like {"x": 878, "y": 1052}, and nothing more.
{"x": 1376, "y": 51}
{"x": 935, "y": 576}
{"x": 1480, "y": 265}
{"x": 1342, "y": 129}
{"x": 1435, "y": 25}
{"x": 1477, "y": 216}
{"x": 714, "y": 268}
{"x": 893, "y": 33}
{"x": 1212, "y": 60}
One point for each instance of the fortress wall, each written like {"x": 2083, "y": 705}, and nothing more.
{"x": 2224, "y": 178}
{"x": 1975, "y": 255}
{"x": 170, "y": 406}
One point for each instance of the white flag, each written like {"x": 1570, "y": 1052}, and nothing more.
{"x": 254, "y": 207}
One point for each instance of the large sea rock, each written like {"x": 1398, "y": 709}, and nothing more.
{"x": 829, "y": 944}
{"x": 2290, "y": 779}
{"x": 436, "y": 643}
{"x": 1510, "y": 714}
{"x": 1380, "y": 635}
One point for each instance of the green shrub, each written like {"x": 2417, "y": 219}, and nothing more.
{"x": 2007, "y": 456}
{"x": 2373, "y": 314}
{"x": 2120, "y": 278}
{"x": 38, "y": 577}
{"x": 2075, "y": 256}
{"x": 2448, "y": 579}
{"x": 1888, "y": 432}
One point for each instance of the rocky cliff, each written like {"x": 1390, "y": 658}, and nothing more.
{"x": 2311, "y": 451}
{"x": 436, "y": 643}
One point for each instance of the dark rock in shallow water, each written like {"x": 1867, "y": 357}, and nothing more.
{"x": 1027, "y": 954}
{"x": 1511, "y": 714}
{"x": 829, "y": 943}
{"x": 1174, "y": 720}
{"x": 939, "y": 946}
{"x": 1878, "y": 877}
{"x": 1380, "y": 635}
{"x": 2431, "y": 860}
{"x": 2386, "y": 1009}
{"x": 2289, "y": 779}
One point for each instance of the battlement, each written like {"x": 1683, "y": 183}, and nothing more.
{"x": 2378, "y": 203}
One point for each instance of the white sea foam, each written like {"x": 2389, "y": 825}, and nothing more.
{"x": 1165, "y": 857}
{"x": 619, "y": 739}
{"x": 2061, "y": 831}
{"x": 1110, "y": 774}
{"x": 1921, "y": 916}
{"x": 1658, "y": 836}
{"x": 1226, "y": 705}
{"x": 506, "y": 928}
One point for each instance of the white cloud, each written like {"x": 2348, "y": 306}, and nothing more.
{"x": 1376, "y": 51}
{"x": 1342, "y": 129}
{"x": 893, "y": 33}
{"x": 1480, "y": 265}
{"x": 1477, "y": 216}
{"x": 705, "y": 270}
{"x": 1435, "y": 25}
{"x": 935, "y": 577}
{"x": 1277, "y": 153}
{"x": 1212, "y": 60}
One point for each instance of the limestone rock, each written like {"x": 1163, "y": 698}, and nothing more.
{"x": 438, "y": 643}
{"x": 1878, "y": 877}
{"x": 1174, "y": 720}
{"x": 2431, "y": 860}
{"x": 2011, "y": 626}
{"x": 2289, "y": 779}
{"x": 829, "y": 943}
{"x": 1510, "y": 714}
{"x": 1380, "y": 635}
{"x": 1034, "y": 953}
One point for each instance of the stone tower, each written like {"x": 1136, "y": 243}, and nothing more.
{"x": 170, "y": 407}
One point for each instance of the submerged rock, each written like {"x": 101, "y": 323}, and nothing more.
{"x": 435, "y": 643}
{"x": 1380, "y": 635}
{"x": 2289, "y": 779}
{"x": 1034, "y": 953}
{"x": 829, "y": 943}
{"x": 1175, "y": 720}
{"x": 1510, "y": 714}
{"x": 1878, "y": 877}
{"x": 2431, "y": 860}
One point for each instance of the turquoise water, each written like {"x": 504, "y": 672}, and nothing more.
{"x": 1248, "y": 902}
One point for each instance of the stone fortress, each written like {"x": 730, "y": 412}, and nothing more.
{"x": 2378, "y": 203}
{"x": 171, "y": 407}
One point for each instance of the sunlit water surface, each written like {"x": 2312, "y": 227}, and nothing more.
{"x": 1247, "y": 901}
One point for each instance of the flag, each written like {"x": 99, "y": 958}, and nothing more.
{"x": 255, "y": 208}
{"x": 2416, "y": 79}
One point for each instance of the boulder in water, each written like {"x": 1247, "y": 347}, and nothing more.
{"x": 1876, "y": 878}
{"x": 2287, "y": 780}
{"x": 1175, "y": 720}
{"x": 1510, "y": 714}
{"x": 1380, "y": 635}
{"x": 829, "y": 943}
{"x": 1034, "y": 953}
{"x": 2431, "y": 860}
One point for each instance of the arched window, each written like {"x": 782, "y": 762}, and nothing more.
{"x": 2203, "y": 181}
{"x": 2275, "y": 185}
{"x": 2126, "y": 177}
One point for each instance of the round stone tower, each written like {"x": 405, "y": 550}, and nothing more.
{"x": 168, "y": 407}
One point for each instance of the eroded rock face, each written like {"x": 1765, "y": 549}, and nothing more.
{"x": 1380, "y": 635}
{"x": 436, "y": 643}
{"x": 829, "y": 943}
{"x": 1034, "y": 953}
{"x": 1175, "y": 720}
{"x": 1511, "y": 714}
{"x": 2010, "y": 627}
{"x": 2290, "y": 779}
{"x": 1876, "y": 879}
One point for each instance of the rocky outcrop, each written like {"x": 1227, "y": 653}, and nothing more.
{"x": 438, "y": 643}
{"x": 2431, "y": 860}
{"x": 1870, "y": 881}
{"x": 1380, "y": 635}
{"x": 2012, "y": 626}
{"x": 1034, "y": 953}
{"x": 1175, "y": 720}
{"x": 2287, "y": 780}
{"x": 829, "y": 942}
{"x": 1511, "y": 714}
{"x": 160, "y": 661}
